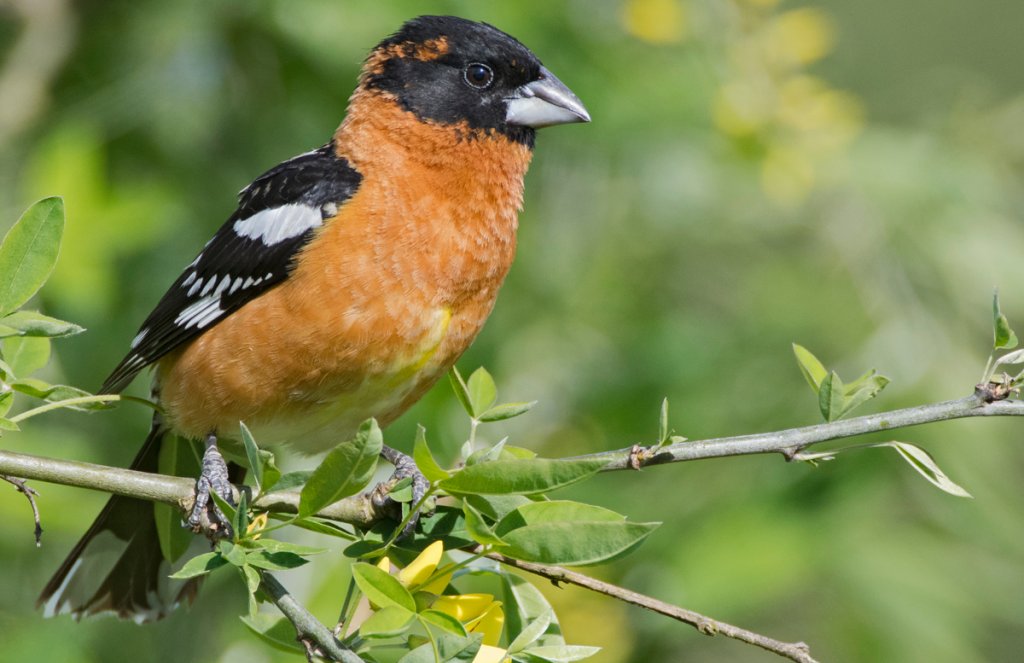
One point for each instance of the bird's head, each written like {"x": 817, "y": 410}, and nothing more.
{"x": 452, "y": 71}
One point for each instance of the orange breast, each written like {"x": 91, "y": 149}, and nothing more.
{"x": 381, "y": 303}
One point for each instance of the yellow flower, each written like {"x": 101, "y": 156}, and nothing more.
{"x": 423, "y": 566}
{"x": 655, "y": 21}
{"x": 480, "y": 613}
{"x": 801, "y": 36}
{"x": 489, "y": 624}
{"x": 464, "y": 607}
{"x": 489, "y": 654}
{"x": 257, "y": 525}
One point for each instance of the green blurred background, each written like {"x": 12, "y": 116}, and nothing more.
{"x": 841, "y": 174}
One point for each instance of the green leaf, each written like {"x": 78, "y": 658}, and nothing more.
{"x": 380, "y": 588}
{"x": 293, "y": 480}
{"x": 8, "y": 425}
{"x": 275, "y": 561}
{"x": 252, "y": 583}
{"x": 386, "y": 623}
{"x": 1015, "y": 357}
{"x": 486, "y": 455}
{"x": 29, "y": 252}
{"x": 451, "y": 648}
{"x": 33, "y": 323}
{"x": 534, "y": 630}
{"x": 813, "y": 370}
{"x": 200, "y": 565}
{"x": 56, "y": 392}
{"x": 926, "y": 466}
{"x": 252, "y": 454}
{"x": 1004, "y": 338}
{"x": 6, "y": 400}
{"x": 506, "y": 411}
{"x": 510, "y": 452}
{"x": 271, "y": 473}
{"x": 274, "y": 546}
{"x": 240, "y": 521}
{"x": 230, "y": 510}
{"x": 830, "y": 397}
{"x": 561, "y": 653}
{"x": 232, "y": 553}
{"x": 478, "y": 527}
{"x": 319, "y": 526}
{"x": 345, "y": 470}
{"x": 482, "y": 391}
{"x": 862, "y": 390}
{"x": 275, "y": 631}
{"x": 444, "y": 621}
{"x": 460, "y": 389}
{"x": 425, "y": 460}
{"x": 402, "y": 490}
{"x": 568, "y": 533}
{"x": 527, "y": 604}
{"x": 522, "y": 477}
{"x": 252, "y": 578}
{"x": 496, "y": 507}
{"x": 26, "y": 355}
{"x": 177, "y": 458}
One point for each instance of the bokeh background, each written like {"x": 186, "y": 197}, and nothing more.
{"x": 846, "y": 175}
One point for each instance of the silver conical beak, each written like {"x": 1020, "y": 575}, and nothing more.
{"x": 545, "y": 102}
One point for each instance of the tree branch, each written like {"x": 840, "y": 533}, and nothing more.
{"x": 360, "y": 511}
{"x": 794, "y": 651}
{"x": 30, "y": 493}
{"x": 177, "y": 491}
{"x": 316, "y": 637}
{"x": 791, "y": 441}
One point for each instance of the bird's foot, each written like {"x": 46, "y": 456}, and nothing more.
{"x": 405, "y": 468}
{"x": 206, "y": 517}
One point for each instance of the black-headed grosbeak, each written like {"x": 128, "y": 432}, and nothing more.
{"x": 347, "y": 281}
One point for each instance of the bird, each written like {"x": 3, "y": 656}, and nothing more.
{"x": 347, "y": 281}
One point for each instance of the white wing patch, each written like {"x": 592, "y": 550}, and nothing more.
{"x": 273, "y": 226}
{"x": 138, "y": 338}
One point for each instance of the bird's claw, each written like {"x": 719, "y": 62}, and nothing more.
{"x": 206, "y": 517}
{"x": 405, "y": 468}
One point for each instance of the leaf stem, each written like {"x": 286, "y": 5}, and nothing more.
{"x": 68, "y": 402}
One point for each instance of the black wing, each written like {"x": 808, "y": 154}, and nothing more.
{"x": 277, "y": 215}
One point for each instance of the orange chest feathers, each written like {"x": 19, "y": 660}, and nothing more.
{"x": 380, "y": 304}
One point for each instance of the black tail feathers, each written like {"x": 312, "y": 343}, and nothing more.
{"x": 118, "y": 565}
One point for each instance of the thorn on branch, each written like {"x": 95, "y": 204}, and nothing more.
{"x": 636, "y": 456}
{"x": 993, "y": 391}
{"x": 30, "y": 493}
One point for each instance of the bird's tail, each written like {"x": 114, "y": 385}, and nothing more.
{"x": 118, "y": 565}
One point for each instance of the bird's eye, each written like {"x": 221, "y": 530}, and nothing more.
{"x": 478, "y": 75}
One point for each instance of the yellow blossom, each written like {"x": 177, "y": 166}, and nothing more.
{"x": 423, "y": 566}
{"x": 489, "y": 624}
{"x": 384, "y": 565}
{"x": 489, "y": 654}
{"x": 257, "y": 525}
{"x": 801, "y": 36}
{"x": 463, "y": 607}
{"x": 655, "y": 21}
